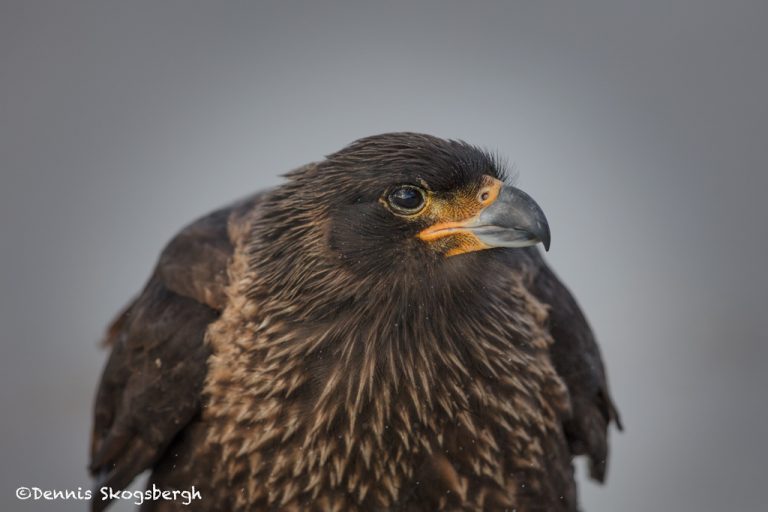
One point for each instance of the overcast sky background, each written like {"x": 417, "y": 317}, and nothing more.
{"x": 641, "y": 128}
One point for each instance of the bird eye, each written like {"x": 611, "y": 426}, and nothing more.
{"x": 407, "y": 199}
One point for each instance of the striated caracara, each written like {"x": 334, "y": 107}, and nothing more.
{"x": 378, "y": 333}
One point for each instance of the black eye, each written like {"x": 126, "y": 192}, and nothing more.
{"x": 407, "y": 199}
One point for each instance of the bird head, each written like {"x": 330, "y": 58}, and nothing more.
{"x": 409, "y": 195}
{"x": 391, "y": 205}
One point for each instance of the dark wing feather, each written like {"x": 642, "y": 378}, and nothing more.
{"x": 576, "y": 357}
{"x": 151, "y": 385}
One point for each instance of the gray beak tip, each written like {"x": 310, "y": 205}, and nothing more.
{"x": 545, "y": 239}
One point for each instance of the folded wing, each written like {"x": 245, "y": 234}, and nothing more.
{"x": 576, "y": 357}
{"x": 151, "y": 386}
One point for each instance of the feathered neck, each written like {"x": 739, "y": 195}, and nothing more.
{"x": 408, "y": 331}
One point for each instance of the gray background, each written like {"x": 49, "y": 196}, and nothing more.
{"x": 640, "y": 127}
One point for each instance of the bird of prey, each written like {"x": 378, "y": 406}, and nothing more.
{"x": 378, "y": 333}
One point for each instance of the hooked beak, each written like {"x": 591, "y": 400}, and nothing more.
{"x": 513, "y": 219}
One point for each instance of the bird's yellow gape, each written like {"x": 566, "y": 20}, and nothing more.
{"x": 496, "y": 215}
{"x": 456, "y": 214}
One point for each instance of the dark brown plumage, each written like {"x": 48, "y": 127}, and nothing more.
{"x": 375, "y": 334}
